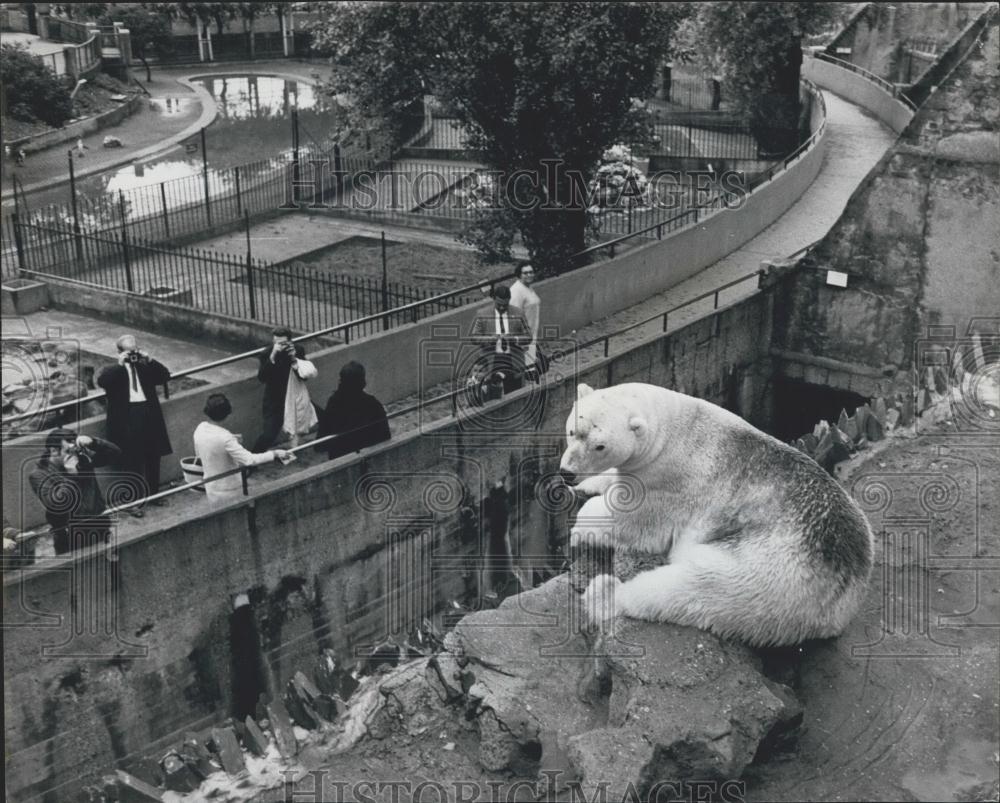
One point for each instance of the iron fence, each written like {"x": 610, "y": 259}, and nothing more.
{"x": 295, "y": 295}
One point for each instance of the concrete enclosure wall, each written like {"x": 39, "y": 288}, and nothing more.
{"x": 881, "y": 36}
{"x": 919, "y": 237}
{"x": 326, "y": 556}
{"x": 396, "y": 370}
{"x": 858, "y": 89}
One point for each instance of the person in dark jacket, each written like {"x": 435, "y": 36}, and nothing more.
{"x": 358, "y": 418}
{"x": 276, "y": 362}
{"x": 65, "y": 484}
{"x": 135, "y": 421}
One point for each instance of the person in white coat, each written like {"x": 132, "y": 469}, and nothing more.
{"x": 220, "y": 450}
{"x": 523, "y": 297}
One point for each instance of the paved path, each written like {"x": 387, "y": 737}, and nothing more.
{"x": 856, "y": 143}
{"x": 145, "y": 134}
{"x": 98, "y": 337}
{"x": 153, "y": 123}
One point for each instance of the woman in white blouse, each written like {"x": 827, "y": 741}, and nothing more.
{"x": 522, "y": 296}
{"x": 220, "y": 451}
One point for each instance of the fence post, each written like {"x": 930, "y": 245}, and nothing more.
{"x": 19, "y": 244}
{"x": 385, "y": 287}
{"x": 338, "y": 170}
{"x": 76, "y": 214}
{"x": 128, "y": 264}
{"x": 163, "y": 203}
{"x": 239, "y": 200}
{"x": 295, "y": 150}
{"x": 204, "y": 171}
{"x": 253, "y": 302}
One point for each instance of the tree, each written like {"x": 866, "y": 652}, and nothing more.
{"x": 31, "y": 90}
{"x": 760, "y": 47}
{"x": 249, "y": 12}
{"x": 90, "y": 11}
{"x": 541, "y": 89}
{"x": 149, "y": 30}
{"x": 204, "y": 13}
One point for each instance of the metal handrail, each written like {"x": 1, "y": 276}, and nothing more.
{"x": 345, "y": 328}
{"x": 713, "y": 203}
{"x": 892, "y": 89}
{"x": 452, "y": 396}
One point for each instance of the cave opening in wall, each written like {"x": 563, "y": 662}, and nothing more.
{"x": 799, "y": 406}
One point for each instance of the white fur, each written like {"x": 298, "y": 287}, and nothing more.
{"x": 742, "y": 545}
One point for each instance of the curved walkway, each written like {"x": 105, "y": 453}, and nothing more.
{"x": 856, "y": 142}
{"x": 147, "y": 135}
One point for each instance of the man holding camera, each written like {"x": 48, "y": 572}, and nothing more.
{"x": 135, "y": 422}
{"x": 277, "y": 362}
{"x": 64, "y": 482}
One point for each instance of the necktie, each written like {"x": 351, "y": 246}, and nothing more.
{"x": 135, "y": 379}
{"x": 503, "y": 330}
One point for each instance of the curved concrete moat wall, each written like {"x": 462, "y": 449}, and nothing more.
{"x": 395, "y": 370}
{"x": 325, "y": 564}
{"x": 859, "y": 90}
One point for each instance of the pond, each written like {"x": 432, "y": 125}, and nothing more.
{"x": 253, "y": 127}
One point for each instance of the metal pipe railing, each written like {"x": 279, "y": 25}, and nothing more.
{"x": 868, "y": 75}
{"x": 717, "y": 202}
{"x": 451, "y": 396}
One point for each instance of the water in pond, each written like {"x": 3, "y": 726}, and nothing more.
{"x": 253, "y": 128}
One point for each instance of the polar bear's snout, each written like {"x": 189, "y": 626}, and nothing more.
{"x": 567, "y": 476}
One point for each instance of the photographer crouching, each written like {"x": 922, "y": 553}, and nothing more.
{"x": 135, "y": 422}
{"x": 64, "y": 482}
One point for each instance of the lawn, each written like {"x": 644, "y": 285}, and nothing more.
{"x": 428, "y": 267}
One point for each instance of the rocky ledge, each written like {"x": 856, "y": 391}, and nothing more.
{"x": 542, "y": 701}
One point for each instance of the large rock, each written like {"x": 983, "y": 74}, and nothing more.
{"x": 526, "y": 696}
{"x": 658, "y": 703}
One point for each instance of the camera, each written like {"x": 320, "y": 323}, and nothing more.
{"x": 82, "y": 451}
{"x": 133, "y": 357}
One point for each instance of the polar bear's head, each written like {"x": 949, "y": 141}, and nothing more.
{"x": 602, "y": 432}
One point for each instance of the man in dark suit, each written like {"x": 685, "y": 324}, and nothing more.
{"x": 135, "y": 422}
{"x": 502, "y": 338}
{"x": 64, "y": 482}
{"x": 276, "y": 361}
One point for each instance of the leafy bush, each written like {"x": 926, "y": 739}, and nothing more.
{"x": 32, "y": 90}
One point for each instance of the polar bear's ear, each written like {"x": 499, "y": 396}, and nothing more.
{"x": 583, "y": 390}
{"x": 638, "y": 425}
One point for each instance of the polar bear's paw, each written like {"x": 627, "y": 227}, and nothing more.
{"x": 597, "y": 484}
{"x": 600, "y": 603}
{"x": 594, "y": 525}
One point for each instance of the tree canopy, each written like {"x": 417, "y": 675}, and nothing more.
{"x": 149, "y": 31}
{"x": 543, "y": 89}
{"x": 760, "y": 47}
{"x": 31, "y": 90}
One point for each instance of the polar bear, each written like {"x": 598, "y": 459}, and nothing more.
{"x": 763, "y": 545}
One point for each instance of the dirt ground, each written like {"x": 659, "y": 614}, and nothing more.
{"x": 912, "y": 715}
{"x": 427, "y": 267}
